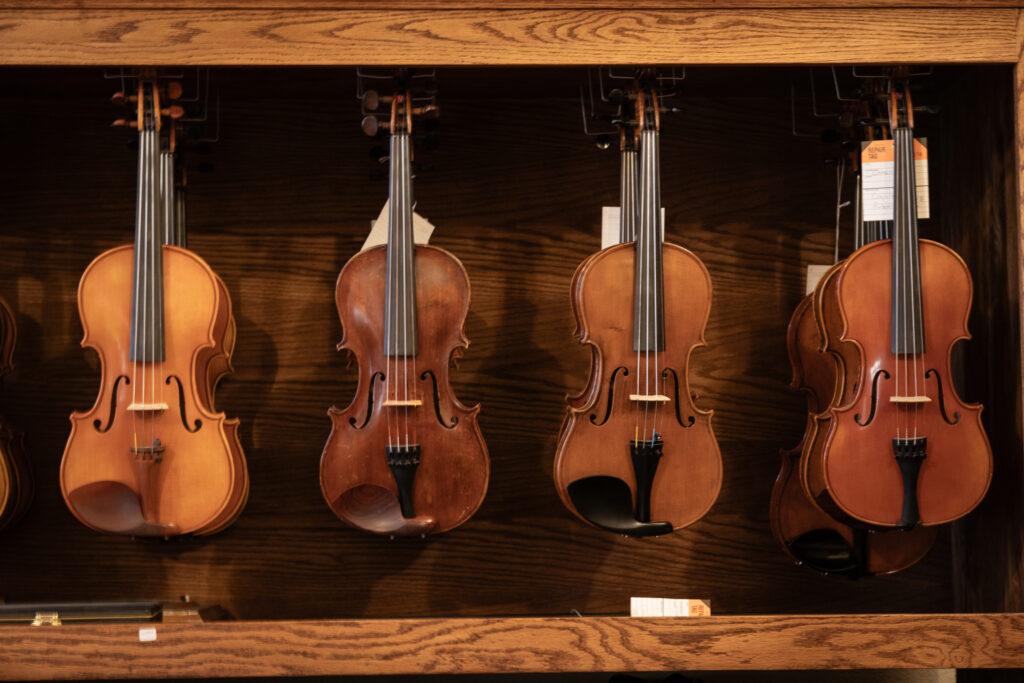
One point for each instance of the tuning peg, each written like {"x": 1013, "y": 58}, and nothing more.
{"x": 174, "y": 111}
{"x": 121, "y": 100}
{"x": 372, "y": 125}
{"x": 173, "y": 90}
{"x": 372, "y": 100}
{"x": 426, "y": 109}
{"x": 125, "y": 123}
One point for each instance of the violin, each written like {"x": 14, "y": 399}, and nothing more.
{"x": 151, "y": 457}
{"x": 636, "y": 456}
{"x": 904, "y": 449}
{"x": 15, "y": 472}
{"x": 406, "y": 457}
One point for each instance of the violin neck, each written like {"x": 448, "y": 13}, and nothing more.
{"x": 648, "y": 313}
{"x": 627, "y": 196}
{"x": 171, "y": 205}
{"x": 907, "y": 331}
{"x": 400, "y": 296}
{"x": 147, "y": 331}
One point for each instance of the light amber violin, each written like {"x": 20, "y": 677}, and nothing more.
{"x": 152, "y": 457}
{"x": 406, "y": 457}
{"x": 902, "y": 449}
{"x": 636, "y": 456}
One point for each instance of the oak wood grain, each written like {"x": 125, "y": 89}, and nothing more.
{"x": 468, "y": 37}
{"x": 498, "y": 4}
{"x": 471, "y": 646}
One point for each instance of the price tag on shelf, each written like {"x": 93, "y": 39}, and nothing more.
{"x": 147, "y": 634}
{"x": 669, "y": 607}
{"x": 878, "y": 178}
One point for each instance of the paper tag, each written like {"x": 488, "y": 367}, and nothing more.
{"x": 668, "y": 607}
{"x": 878, "y": 178}
{"x": 814, "y": 275}
{"x": 147, "y": 635}
{"x": 422, "y": 229}
{"x": 610, "y": 226}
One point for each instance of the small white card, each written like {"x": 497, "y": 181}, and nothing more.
{"x": 610, "y": 226}
{"x": 147, "y": 634}
{"x": 669, "y": 607}
{"x": 422, "y": 229}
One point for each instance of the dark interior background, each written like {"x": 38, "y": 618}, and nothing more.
{"x": 515, "y": 189}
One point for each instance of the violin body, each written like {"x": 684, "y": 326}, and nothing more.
{"x": 109, "y": 479}
{"x": 601, "y": 421}
{"x": 15, "y": 473}
{"x": 860, "y": 473}
{"x": 808, "y": 534}
{"x": 451, "y": 478}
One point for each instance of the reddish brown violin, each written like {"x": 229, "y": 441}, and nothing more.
{"x": 15, "y": 473}
{"x": 636, "y": 456}
{"x": 152, "y": 457}
{"x": 904, "y": 449}
{"x": 406, "y": 457}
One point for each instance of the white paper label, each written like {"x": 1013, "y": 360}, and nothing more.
{"x": 814, "y": 275}
{"x": 646, "y": 607}
{"x": 669, "y": 607}
{"x": 878, "y": 179}
{"x": 421, "y": 229}
{"x": 147, "y": 635}
{"x": 610, "y": 226}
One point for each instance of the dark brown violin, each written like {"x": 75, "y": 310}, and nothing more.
{"x": 636, "y": 456}
{"x": 15, "y": 473}
{"x": 152, "y": 457}
{"x": 904, "y": 449}
{"x": 406, "y": 457}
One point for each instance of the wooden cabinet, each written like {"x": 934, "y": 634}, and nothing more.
{"x": 515, "y": 190}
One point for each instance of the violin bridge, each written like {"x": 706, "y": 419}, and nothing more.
{"x": 909, "y": 399}
{"x": 649, "y": 398}
{"x": 410, "y": 403}
{"x": 147, "y": 407}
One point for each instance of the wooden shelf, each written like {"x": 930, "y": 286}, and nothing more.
{"x": 513, "y": 645}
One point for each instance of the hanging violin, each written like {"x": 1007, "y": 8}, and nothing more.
{"x": 15, "y": 472}
{"x": 405, "y": 457}
{"x": 636, "y": 456}
{"x": 808, "y": 534}
{"x": 905, "y": 449}
{"x": 150, "y": 458}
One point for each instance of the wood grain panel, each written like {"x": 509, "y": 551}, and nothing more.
{"x": 497, "y": 4}
{"x": 515, "y": 190}
{"x": 471, "y": 646}
{"x": 467, "y": 37}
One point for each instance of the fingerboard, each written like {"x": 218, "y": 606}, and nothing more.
{"x": 147, "y": 330}
{"x": 648, "y": 313}
{"x": 907, "y": 329}
{"x": 400, "y": 297}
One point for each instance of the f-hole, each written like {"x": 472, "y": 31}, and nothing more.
{"x": 98, "y": 423}
{"x": 369, "y": 402}
{"x": 675, "y": 388}
{"x": 942, "y": 399}
{"x": 181, "y": 406}
{"x": 874, "y": 399}
{"x": 437, "y": 401}
{"x": 611, "y": 397}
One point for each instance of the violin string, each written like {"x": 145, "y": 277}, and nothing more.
{"x": 647, "y": 278}
{"x": 140, "y": 195}
{"x": 912, "y": 258}
{"x": 403, "y": 179}
{"x": 152, "y": 240}
{"x": 389, "y": 308}
{"x": 144, "y": 151}
{"x": 409, "y": 251}
{"x": 656, "y": 249}
{"x": 639, "y": 265}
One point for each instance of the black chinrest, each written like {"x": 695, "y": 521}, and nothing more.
{"x": 826, "y": 551}
{"x": 607, "y": 502}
